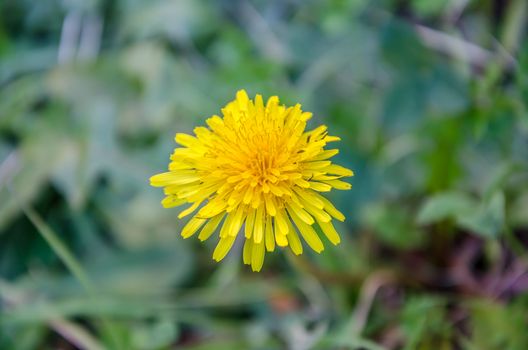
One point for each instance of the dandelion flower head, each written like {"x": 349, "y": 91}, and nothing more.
{"x": 256, "y": 172}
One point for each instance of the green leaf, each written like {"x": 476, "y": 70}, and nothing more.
{"x": 514, "y": 25}
{"x": 495, "y": 326}
{"x": 29, "y": 170}
{"x": 488, "y": 219}
{"x": 425, "y": 325}
{"x": 517, "y": 212}
{"x": 153, "y": 336}
{"x": 429, "y": 7}
{"x": 499, "y": 177}
{"x": 393, "y": 225}
{"x": 485, "y": 218}
{"x": 447, "y": 205}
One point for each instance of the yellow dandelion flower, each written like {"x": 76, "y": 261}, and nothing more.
{"x": 257, "y": 171}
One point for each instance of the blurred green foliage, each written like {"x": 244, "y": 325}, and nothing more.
{"x": 429, "y": 98}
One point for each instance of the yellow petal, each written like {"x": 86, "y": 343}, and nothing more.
{"x": 189, "y": 210}
{"x": 302, "y": 183}
{"x": 257, "y": 256}
{"x": 317, "y": 213}
{"x": 281, "y": 221}
{"x": 258, "y": 230}
{"x": 330, "y": 209}
{"x": 317, "y": 164}
{"x": 179, "y": 165}
{"x": 246, "y": 252}
{"x": 332, "y": 138}
{"x": 203, "y": 193}
{"x": 270, "y": 205}
{"x": 339, "y": 170}
{"x": 173, "y": 178}
{"x": 248, "y": 195}
{"x": 308, "y": 233}
{"x": 322, "y": 177}
{"x": 276, "y": 190}
{"x": 317, "y": 131}
{"x": 242, "y": 99}
{"x": 250, "y": 221}
{"x": 339, "y": 185}
{"x": 210, "y": 227}
{"x": 255, "y": 202}
{"x": 293, "y": 240}
{"x": 213, "y": 208}
{"x": 223, "y": 247}
{"x": 270, "y": 239}
{"x": 300, "y": 212}
{"x": 330, "y": 232}
{"x": 280, "y": 238}
{"x": 224, "y": 231}
{"x": 172, "y": 201}
{"x": 236, "y": 224}
{"x": 186, "y": 140}
{"x": 326, "y": 154}
{"x": 320, "y": 187}
{"x": 259, "y": 102}
{"x": 309, "y": 196}
{"x": 192, "y": 226}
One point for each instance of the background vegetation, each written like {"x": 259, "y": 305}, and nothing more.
{"x": 429, "y": 98}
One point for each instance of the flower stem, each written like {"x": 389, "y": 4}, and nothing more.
{"x": 60, "y": 249}
{"x": 71, "y": 263}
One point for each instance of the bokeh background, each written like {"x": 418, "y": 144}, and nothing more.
{"x": 428, "y": 96}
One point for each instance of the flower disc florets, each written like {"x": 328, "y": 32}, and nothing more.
{"x": 257, "y": 169}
